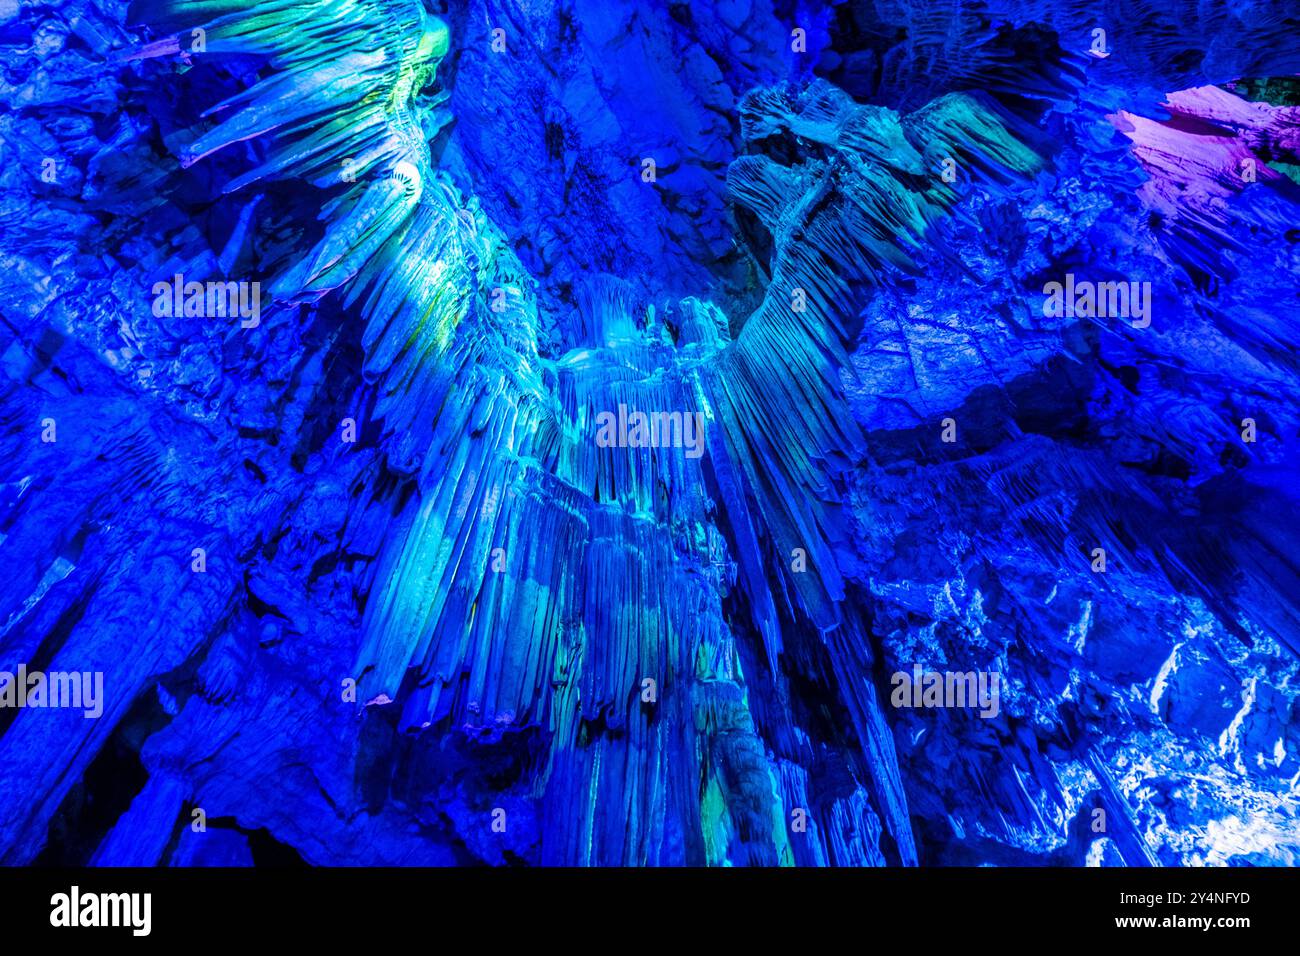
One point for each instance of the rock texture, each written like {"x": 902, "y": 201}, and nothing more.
{"x": 369, "y": 577}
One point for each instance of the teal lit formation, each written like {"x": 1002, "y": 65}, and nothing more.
{"x": 630, "y": 397}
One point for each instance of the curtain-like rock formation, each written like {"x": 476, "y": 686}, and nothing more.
{"x": 549, "y": 435}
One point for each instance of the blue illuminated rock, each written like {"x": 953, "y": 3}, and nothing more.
{"x": 630, "y": 394}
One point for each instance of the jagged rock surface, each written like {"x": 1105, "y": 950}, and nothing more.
{"x": 460, "y": 255}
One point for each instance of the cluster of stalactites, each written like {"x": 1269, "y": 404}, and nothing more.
{"x": 552, "y": 561}
{"x": 869, "y": 193}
